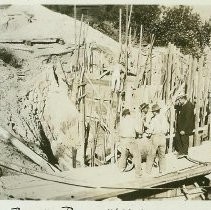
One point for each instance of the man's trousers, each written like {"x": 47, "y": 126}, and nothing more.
{"x": 131, "y": 145}
{"x": 158, "y": 146}
{"x": 181, "y": 143}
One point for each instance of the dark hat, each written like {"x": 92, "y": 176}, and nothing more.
{"x": 155, "y": 108}
{"x": 122, "y": 63}
{"x": 125, "y": 112}
{"x": 181, "y": 95}
{"x": 143, "y": 106}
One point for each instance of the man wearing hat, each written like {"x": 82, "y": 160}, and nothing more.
{"x": 128, "y": 142}
{"x": 184, "y": 125}
{"x": 158, "y": 127}
{"x": 143, "y": 118}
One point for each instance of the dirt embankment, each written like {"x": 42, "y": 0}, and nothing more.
{"x": 36, "y": 81}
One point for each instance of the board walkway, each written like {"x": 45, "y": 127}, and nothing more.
{"x": 98, "y": 183}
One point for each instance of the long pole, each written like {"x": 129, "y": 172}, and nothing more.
{"x": 131, "y": 8}
{"x": 138, "y": 70}
{"x": 120, "y": 27}
{"x": 126, "y": 42}
{"x": 79, "y": 42}
{"x": 75, "y": 24}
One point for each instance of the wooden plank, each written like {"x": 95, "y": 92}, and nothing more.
{"x": 100, "y": 82}
{"x": 105, "y": 183}
{"x": 97, "y": 99}
{"x": 103, "y": 74}
{"x": 22, "y": 49}
{"x": 27, "y": 151}
{"x": 112, "y": 191}
{"x": 186, "y": 193}
{"x": 200, "y": 191}
{"x": 82, "y": 84}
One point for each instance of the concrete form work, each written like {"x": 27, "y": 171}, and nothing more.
{"x": 55, "y": 99}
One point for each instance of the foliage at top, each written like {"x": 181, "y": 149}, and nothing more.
{"x": 179, "y": 25}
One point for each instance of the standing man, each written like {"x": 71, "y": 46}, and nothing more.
{"x": 184, "y": 125}
{"x": 128, "y": 143}
{"x": 158, "y": 128}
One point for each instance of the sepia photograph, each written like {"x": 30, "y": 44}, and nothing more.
{"x": 105, "y": 102}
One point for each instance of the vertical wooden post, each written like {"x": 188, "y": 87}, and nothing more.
{"x": 81, "y": 99}
{"x": 205, "y": 94}
{"x": 120, "y": 28}
{"x": 168, "y": 72}
{"x": 209, "y": 117}
{"x": 150, "y": 59}
{"x": 74, "y": 153}
{"x": 75, "y": 12}
{"x": 173, "y": 72}
{"x": 129, "y": 40}
{"x": 79, "y": 40}
{"x": 172, "y": 119}
{"x": 104, "y": 148}
{"x": 177, "y": 73}
{"x": 126, "y": 47}
{"x": 139, "y": 50}
{"x": 164, "y": 75}
{"x": 190, "y": 77}
{"x": 171, "y": 80}
{"x": 131, "y": 8}
{"x": 138, "y": 69}
{"x": 194, "y": 79}
{"x": 198, "y": 99}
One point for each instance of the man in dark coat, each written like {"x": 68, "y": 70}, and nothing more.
{"x": 184, "y": 125}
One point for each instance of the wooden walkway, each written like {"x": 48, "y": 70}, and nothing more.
{"x": 103, "y": 182}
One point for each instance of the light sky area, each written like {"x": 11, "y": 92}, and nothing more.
{"x": 204, "y": 11}
{"x": 202, "y": 7}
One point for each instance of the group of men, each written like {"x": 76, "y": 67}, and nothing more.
{"x": 145, "y": 138}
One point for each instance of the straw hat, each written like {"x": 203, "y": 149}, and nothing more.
{"x": 155, "y": 108}
{"x": 143, "y": 106}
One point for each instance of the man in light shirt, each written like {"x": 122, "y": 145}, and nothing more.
{"x": 128, "y": 143}
{"x": 157, "y": 129}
